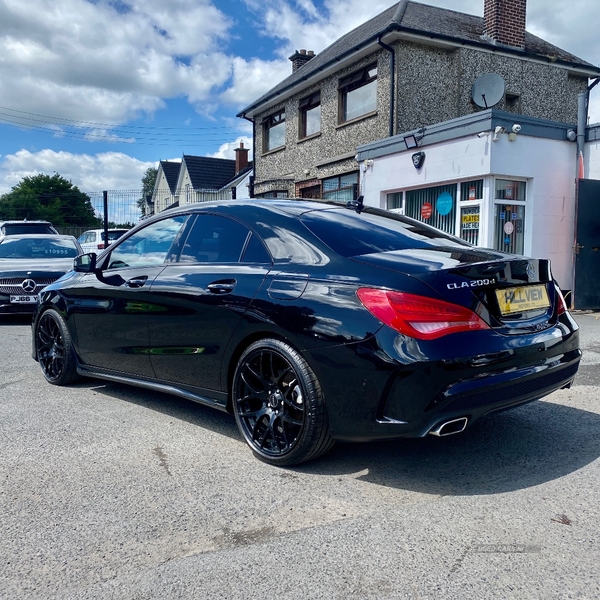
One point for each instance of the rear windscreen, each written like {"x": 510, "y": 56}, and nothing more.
{"x": 352, "y": 234}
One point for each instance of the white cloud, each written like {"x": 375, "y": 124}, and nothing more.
{"x": 301, "y": 25}
{"x": 86, "y": 61}
{"x": 91, "y": 173}
{"x": 252, "y": 78}
{"x": 228, "y": 150}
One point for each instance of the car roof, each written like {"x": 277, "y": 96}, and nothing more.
{"x": 289, "y": 206}
{"x": 40, "y": 236}
{"x": 24, "y": 222}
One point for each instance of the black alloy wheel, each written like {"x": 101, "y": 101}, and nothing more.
{"x": 55, "y": 349}
{"x": 278, "y": 404}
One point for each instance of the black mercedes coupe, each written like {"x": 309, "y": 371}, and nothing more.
{"x": 311, "y": 322}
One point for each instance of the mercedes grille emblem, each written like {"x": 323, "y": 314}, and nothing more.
{"x": 29, "y": 286}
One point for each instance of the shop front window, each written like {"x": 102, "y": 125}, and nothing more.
{"x": 469, "y": 224}
{"x": 435, "y": 206}
{"x": 471, "y": 196}
{"x": 509, "y": 216}
{"x": 394, "y": 201}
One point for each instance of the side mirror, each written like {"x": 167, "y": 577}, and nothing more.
{"x": 85, "y": 263}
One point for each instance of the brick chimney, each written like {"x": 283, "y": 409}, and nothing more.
{"x": 241, "y": 158}
{"x": 300, "y": 58}
{"x": 505, "y": 22}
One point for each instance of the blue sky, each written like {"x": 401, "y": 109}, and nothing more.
{"x": 98, "y": 90}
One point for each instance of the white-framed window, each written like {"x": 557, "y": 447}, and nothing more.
{"x": 471, "y": 199}
{"x": 509, "y": 215}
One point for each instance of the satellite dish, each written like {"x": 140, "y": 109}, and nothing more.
{"x": 488, "y": 90}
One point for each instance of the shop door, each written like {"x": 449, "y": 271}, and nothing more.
{"x": 587, "y": 245}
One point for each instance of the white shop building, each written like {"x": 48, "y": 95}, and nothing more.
{"x": 497, "y": 179}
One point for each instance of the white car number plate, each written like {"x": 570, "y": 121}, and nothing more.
{"x": 23, "y": 299}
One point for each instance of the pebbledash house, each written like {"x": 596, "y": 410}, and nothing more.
{"x": 471, "y": 124}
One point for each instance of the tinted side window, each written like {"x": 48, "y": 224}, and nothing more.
{"x": 255, "y": 251}
{"x": 148, "y": 246}
{"x": 214, "y": 238}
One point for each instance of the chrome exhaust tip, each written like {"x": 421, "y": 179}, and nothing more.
{"x": 450, "y": 427}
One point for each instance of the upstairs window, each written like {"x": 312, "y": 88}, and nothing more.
{"x": 310, "y": 115}
{"x": 358, "y": 93}
{"x": 274, "y": 131}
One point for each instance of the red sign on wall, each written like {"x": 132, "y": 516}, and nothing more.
{"x": 426, "y": 211}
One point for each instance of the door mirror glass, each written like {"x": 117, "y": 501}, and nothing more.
{"x": 85, "y": 263}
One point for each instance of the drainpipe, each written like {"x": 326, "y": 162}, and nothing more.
{"x": 583, "y": 101}
{"x": 392, "y": 86}
{"x": 252, "y": 177}
{"x": 582, "y": 114}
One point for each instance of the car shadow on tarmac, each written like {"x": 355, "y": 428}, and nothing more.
{"x": 520, "y": 448}
{"x": 503, "y": 452}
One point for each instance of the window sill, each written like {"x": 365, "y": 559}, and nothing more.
{"x": 275, "y": 150}
{"x": 309, "y": 137}
{"x": 357, "y": 119}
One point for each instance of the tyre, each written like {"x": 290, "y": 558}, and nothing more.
{"x": 278, "y": 404}
{"x": 55, "y": 351}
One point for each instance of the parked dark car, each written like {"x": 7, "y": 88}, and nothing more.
{"x": 25, "y": 227}
{"x": 30, "y": 262}
{"x": 311, "y": 322}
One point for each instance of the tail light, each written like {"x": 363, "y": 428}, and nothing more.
{"x": 101, "y": 246}
{"x": 561, "y": 305}
{"x": 419, "y": 316}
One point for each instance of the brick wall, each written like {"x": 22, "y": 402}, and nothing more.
{"x": 505, "y": 21}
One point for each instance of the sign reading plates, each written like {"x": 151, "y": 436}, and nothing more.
{"x": 426, "y": 210}
{"x": 470, "y": 218}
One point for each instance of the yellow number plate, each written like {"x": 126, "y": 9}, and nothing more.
{"x": 518, "y": 299}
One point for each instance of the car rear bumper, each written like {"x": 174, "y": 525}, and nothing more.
{"x": 396, "y": 395}
{"x": 472, "y": 399}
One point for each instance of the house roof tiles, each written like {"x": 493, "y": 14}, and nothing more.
{"x": 171, "y": 171}
{"x": 208, "y": 173}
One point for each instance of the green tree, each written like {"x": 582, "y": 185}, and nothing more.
{"x": 51, "y": 198}
{"x": 148, "y": 183}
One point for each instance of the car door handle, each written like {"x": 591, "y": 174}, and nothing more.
{"x": 222, "y": 287}
{"x": 136, "y": 282}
